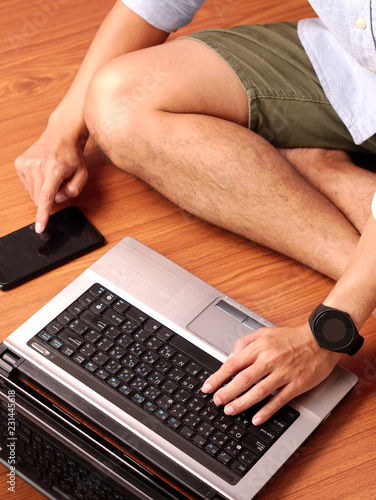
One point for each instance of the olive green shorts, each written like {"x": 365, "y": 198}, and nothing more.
{"x": 287, "y": 104}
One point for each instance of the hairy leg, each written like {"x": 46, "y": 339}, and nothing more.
{"x": 349, "y": 187}
{"x": 174, "y": 116}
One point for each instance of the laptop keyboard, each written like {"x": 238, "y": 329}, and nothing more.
{"x": 55, "y": 468}
{"x": 159, "y": 373}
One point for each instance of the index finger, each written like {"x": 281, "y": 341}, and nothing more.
{"x": 46, "y": 200}
{"x": 233, "y": 365}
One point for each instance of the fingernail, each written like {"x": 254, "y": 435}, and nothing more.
{"x": 257, "y": 421}
{"x": 60, "y": 198}
{"x": 217, "y": 401}
{"x": 230, "y": 355}
{"x": 207, "y": 388}
{"x": 38, "y": 227}
{"x": 229, "y": 410}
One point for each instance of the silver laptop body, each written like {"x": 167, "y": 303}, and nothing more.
{"x": 189, "y": 307}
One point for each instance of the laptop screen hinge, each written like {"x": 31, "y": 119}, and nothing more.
{"x": 8, "y": 361}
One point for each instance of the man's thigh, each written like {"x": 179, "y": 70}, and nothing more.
{"x": 183, "y": 76}
{"x": 287, "y": 104}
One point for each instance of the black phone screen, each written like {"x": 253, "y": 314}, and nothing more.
{"x": 24, "y": 253}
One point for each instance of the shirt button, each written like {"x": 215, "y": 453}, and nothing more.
{"x": 360, "y": 23}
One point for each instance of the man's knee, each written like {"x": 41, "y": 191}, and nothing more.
{"x": 111, "y": 107}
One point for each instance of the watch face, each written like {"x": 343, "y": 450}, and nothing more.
{"x": 334, "y": 330}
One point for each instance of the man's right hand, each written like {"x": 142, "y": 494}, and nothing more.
{"x": 52, "y": 170}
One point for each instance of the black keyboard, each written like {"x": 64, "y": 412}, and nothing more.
{"x": 160, "y": 374}
{"x": 53, "y": 466}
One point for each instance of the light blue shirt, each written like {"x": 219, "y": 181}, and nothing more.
{"x": 340, "y": 45}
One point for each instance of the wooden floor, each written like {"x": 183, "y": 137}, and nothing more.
{"x": 42, "y": 44}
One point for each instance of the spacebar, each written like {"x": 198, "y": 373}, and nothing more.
{"x": 195, "y": 352}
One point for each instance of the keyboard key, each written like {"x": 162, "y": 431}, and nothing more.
{"x": 193, "y": 368}
{"x": 76, "y": 308}
{"x": 121, "y": 305}
{"x": 143, "y": 369}
{"x": 113, "y": 382}
{"x": 98, "y": 307}
{"x": 102, "y": 374}
{"x": 224, "y": 457}
{"x": 56, "y": 343}
{"x": 167, "y": 352}
{"x": 164, "y": 333}
{"x": 151, "y": 325}
{"x": 178, "y": 411}
{"x": 71, "y": 339}
{"x": 255, "y": 445}
{"x": 88, "y": 350}
{"x": 112, "y": 332}
{"x": 104, "y": 344}
{"x": 86, "y": 299}
{"x": 97, "y": 290}
{"x": 100, "y": 358}
{"x": 174, "y": 423}
{"x": 138, "y": 384}
{"x": 187, "y": 432}
{"x": 239, "y": 468}
{"x": 169, "y": 386}
{"x": 141, "y": 334}
{"x": 156, "y": 378}
{"x": 90, "y": 367}
{"x": 199, "y": 441}
{"x": 92, "y": 336}
{"x": 219, "y": 438}
{"x": 129, "y": 326}
{"x": 180, "y": 360}
{"x": 196, "y": 404}
{"x": 79, "y": 359}
{"x": 94, "y": 321}
{"x": 165, "y": 402}
{"x": 182, "y": 396}
{"x": 112, "y": 367}
{"x": 117, "y": 352}
{"x": 267, "y": 435}
{"x": 205, "y": 429}
{"x": 136, "y": 315}
{"x": 162, "y": 365}
{"x": 176, "y": 374}
{"x": 125, "y": 375}
{"x": 125, "y": 389}
{"x": 150, "y": 407}
{"x": 161, "y": 414}
{"x": 45, "y": 335}
{"x": 212, "y": 449}
{"x": 54, "y": 327}
{"x": 138, "y": 398}
{"x": 113, "y": 317}
{"x": 78, "y": 326}
{"x": 247, "y": 458}
{"x": 108, "y": 297}
{"x": 233, "y": 448}
{"x": 152, "y": 392}
{"x": 191, "y": 419}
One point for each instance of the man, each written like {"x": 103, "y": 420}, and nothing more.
{"x": 188, "y": 118}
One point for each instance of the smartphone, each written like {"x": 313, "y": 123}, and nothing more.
{"x": 25, "y": 254}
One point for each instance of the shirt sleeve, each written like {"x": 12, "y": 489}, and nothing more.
{"x": 167, "y": 15}
{"x": 373, "y": 206}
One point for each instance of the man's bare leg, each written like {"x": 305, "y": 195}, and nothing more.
{"x": 335, "y": 175}
{"x": 174, "y": 116}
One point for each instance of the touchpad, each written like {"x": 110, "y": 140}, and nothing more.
{"x": 221, "y": 324}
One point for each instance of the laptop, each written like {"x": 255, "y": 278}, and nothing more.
{"x": 108, "y": 375}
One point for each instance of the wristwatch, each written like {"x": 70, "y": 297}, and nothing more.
{"x": 334, "y": 330}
